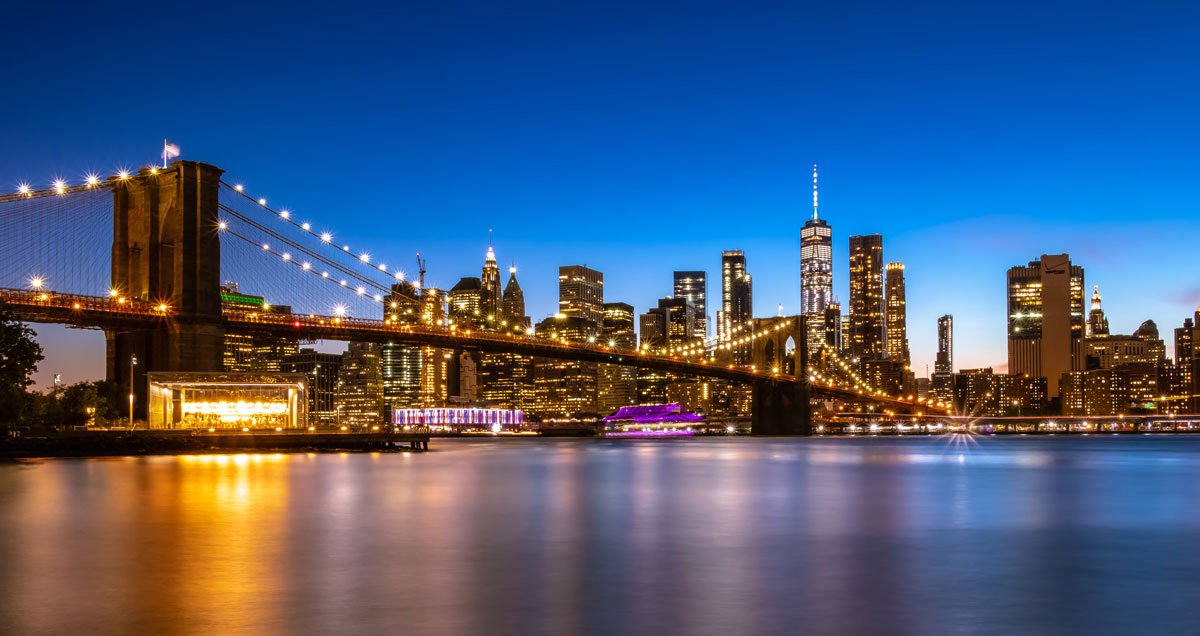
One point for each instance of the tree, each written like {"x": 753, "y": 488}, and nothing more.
{"x": 19, "y": 356}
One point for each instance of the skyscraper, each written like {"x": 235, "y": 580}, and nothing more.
{"x": 617, "y": 384}
{"x": 897, "y": 316}
{"x": 833, "y": 326}
{"x": 672, "y": 323}
{"x": 435, "y": 363}
{"x": 564, "y": 387}
{"x": 322, "y": 372}
{"x": 865, "y": 340}
{"x": 1045, "y": 319}
{"x": 694, "y": 287}
{"x": 512, "y": 304}
{"x": 489, "y": 290}
{"x": 944, "y": 363}
{"x": 465, "y": 301}
{"x": 506, "y": 379}
{"x": 581, "y": 295}
{"x": 737, "y": 300}
{"x": 816, "y": 273}
{"x": 400, "y": 365}
{"x": 1181, "y": 372}
{"x": 1097, "y": 324}
{"x": 359, "y": 396}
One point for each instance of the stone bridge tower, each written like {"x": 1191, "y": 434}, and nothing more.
{"x": 782, "y": 407}
{"x": 166, "y": 249}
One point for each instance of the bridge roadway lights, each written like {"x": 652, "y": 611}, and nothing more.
{"x": 781, "y": 408}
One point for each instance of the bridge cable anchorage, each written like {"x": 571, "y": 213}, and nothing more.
{"x": 325, "y": 237}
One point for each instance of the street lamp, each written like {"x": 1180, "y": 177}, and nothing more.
{"x": 132, "y": 364}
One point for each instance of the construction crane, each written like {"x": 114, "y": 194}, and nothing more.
{"x": 421, "y": 271}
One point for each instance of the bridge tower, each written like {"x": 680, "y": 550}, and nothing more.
{"x": 783, "y": 407}
{"x": 166, "y": 249}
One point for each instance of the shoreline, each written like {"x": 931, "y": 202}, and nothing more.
{"x": 126, "y": 443}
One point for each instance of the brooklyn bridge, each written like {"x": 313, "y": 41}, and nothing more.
{"x": 142, "y": 256}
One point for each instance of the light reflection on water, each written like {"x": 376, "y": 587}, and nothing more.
{"x": 697, "y": 536}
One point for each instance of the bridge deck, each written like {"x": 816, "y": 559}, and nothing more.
{"x": 132, "y": 314}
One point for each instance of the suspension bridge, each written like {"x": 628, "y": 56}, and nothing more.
{"x": 142, "y": 256}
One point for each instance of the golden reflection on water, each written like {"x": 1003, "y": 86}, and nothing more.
{"x": 722, "y": 536}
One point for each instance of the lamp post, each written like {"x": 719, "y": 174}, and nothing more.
{"x": 132, "y": 364}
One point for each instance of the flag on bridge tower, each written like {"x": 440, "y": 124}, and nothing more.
{"x": 170, "y": 151}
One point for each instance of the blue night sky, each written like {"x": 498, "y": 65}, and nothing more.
{"x": 639, "y": 138}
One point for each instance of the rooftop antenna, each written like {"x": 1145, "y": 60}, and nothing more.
{"x": 814, "y": 192}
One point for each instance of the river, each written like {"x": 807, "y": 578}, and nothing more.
{"x": 939, "y": 535}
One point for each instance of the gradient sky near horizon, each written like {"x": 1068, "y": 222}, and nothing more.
{"x": 639, "y": 138}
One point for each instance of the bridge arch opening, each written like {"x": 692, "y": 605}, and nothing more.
{"x": 789, "y": 356}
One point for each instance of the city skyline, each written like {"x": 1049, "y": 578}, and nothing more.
{"x": 562, "y": 180}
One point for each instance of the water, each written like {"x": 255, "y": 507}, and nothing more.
{"x": 1092, "y": 535}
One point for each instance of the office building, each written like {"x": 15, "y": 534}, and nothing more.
{"x": 489, "y": 290}
{"x": 982, "y": 393}
{"x": 833, "y": 326}
{"x": 816, "y": 273}
{"x": 1097, "y": 324}
{"x": 435, "y": 362}
{"x": 1183, "y": 385}
{"x": 617, "y": 383}
{"x": 1045, "y": 319}
{"x": 506, "y": 380}
{"x": 896, "y": 316}
{"x": 465, "y": 301}
{"x": 400, "y": 365}
{"x": 359, "y": 394}
{"x": 944, "y": 362}
{"x": 1142, "y": 356}
{"x": 563, "y": 388}
{"x": 737, "y": 302}
{"x": 581, "y": 295}
{"x": 513, "y": 303}
{"x": 1095, "y": 392}
{"x": 865, "y": 340}
{"x": 693, "y": 286}
{"x": 321, "y": 370}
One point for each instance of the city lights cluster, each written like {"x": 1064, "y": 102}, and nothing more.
{"x": 862, "y": 387}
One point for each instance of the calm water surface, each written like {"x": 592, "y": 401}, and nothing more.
{"x": 1097, "y": 535}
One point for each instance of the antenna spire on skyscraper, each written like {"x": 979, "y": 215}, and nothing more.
{"x": 814, "y": 192}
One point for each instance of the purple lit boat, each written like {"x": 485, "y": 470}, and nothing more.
{"x": 653, "y": 414}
